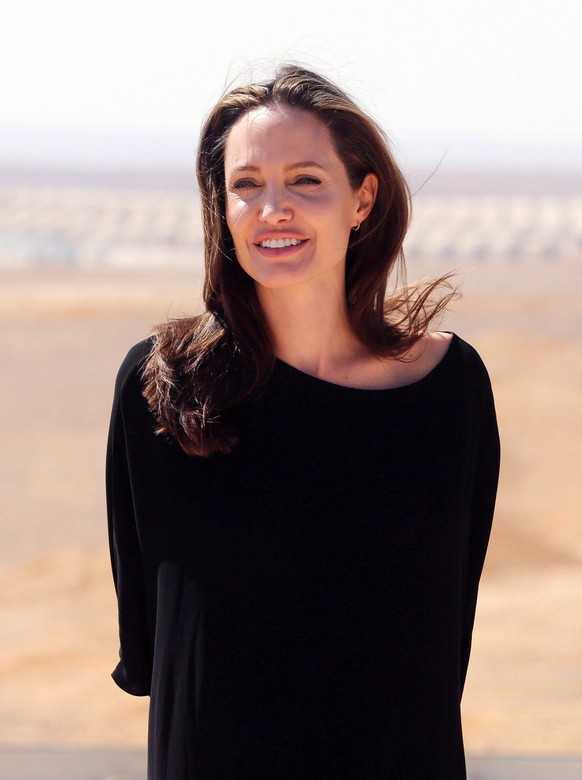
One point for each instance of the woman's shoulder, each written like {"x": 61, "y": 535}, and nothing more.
{"x": 468, "y": 355}
{"x": 169, "y": 344}
{"x": 443, "y": 353}
{"x": 466, "y": 368}
{"x": 447, "y": 355}
{"x": 133, "y": 362}
{"x": 431, "y": 349}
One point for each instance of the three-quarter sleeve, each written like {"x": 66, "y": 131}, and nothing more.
{"x": 133, "y": 672}
{"x": 486, "y": 475}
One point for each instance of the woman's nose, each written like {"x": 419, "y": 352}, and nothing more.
{"x": 274, "y": 207}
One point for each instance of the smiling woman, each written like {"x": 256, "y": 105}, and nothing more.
{"x": 297, "y": 554}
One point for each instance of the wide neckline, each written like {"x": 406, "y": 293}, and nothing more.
{"x": 325, "y": 383}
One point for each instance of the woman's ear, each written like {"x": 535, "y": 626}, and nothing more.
{"x": 367, "y": 196}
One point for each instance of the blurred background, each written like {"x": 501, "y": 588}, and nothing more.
{"x": 100, "y": 238}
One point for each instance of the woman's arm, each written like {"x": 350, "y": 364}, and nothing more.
{"x": 482, "y": 507}
{"x": 133, "y": 672}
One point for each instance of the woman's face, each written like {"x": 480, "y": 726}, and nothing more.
{"x": 289, "y": 204}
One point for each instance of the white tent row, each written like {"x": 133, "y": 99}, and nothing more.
{"x": 94, "y": 227}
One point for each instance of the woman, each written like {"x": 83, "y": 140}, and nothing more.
{"x": 297, "y": 554}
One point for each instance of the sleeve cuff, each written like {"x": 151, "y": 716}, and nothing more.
{"x": 130, "y": 684}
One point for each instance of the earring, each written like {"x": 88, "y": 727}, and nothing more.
{"x": 356, "y": 227}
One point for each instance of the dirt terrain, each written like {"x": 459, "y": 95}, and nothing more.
{"x": 62, "y": 338}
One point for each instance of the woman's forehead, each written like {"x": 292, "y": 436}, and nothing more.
{"x": 271, "y": 133}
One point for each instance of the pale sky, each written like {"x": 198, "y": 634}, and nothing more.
{"x": 457, "y": 71}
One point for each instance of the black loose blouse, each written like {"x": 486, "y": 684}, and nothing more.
{"x": 302, "y": 608}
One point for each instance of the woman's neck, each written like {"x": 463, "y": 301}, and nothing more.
{"x": 311, "y": 329}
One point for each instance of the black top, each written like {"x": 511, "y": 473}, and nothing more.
{"x": 302, "y": 608}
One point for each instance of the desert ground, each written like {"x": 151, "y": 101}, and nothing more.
{"x": 62, "y": 338}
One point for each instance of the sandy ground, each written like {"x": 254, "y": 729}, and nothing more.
{"x": 63, "y": 336}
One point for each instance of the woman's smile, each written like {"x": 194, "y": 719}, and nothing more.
{"x": 279, "y": 245}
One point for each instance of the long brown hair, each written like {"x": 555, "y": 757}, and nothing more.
{"x": 202, "y": 368}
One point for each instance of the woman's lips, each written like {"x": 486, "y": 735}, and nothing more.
{"x": 279, "y": 243}
{"x": 280, "y": 247}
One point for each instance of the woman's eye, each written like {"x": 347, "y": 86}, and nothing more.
{"x": 244, "y": 184}
{"x": 307, "y": 180}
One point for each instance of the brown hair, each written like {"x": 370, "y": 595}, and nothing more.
{"x": 201, "y": 368}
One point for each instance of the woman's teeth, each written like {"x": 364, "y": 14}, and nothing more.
{"x": 279, "y": 243}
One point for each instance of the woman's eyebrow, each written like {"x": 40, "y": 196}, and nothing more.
{"x": 291, "y": 167}
{"x": 306, "y": 164}
{"x": 241, "y": 168}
